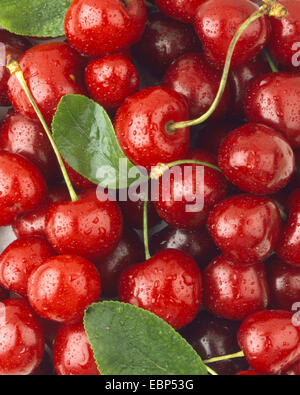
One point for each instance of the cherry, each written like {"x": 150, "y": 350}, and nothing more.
{"x": 19, "y": 259}
{"x": 169, "y": 285}
{"x": 273, "y": 100}
{"x": 198, "y": 82}
{"x": 246, "y": 228}
{"x": 284, "y": 284}
{"x": 163, "y": 41}
{"x": 293, "y": 370}
{"x": 257, "y": 159}
{"x": 270, "y": 341}
{"x": 21, "y": 339}
{"x": 216, "y": 24}
{"x": 110, "y": 80}
{"x": 63, "y": 287}
{"x": 51, "y": 71}
{"x": 179, "y": 9}
{"x": 233, "y": 292}
{"x": 72, "y": 353}
{"x": 26, "y": 137}
{"x": 96, "y": 28}
{"x": 22, "y": 187}
{"x": 77, "y": 180}
{"x": 249, "y": 373}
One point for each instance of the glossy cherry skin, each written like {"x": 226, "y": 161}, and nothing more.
{"x": 26, "y": 137}
{"x": 273, "y": 100}
{"x": 19, "y": 259}
{"x": 270, "y": 341}
{"x": 51, "y": 71}
{"x": 110, "y": 80}
{"x": 257, "y": 159}
{"x": 284, "y": 283}
{"x": 14, "y": 46}
{"x": 213, "y": 337}
{"x": 198, "y": 82}
{"x": 63, "y": 287}
{"x": 179, "y": 9}
{"x": 233, "y": 292}
{"x": 141, "y": 127}
{"x": 163, "y": 41}
{"x": 96, "y": 28}
{"x": 169, "y": 285}
{"x": 22, "y": 187}
{"x": 72, "y": 353}
{"x": 183, "y": 189}
{"x": 89, "y": 227}
{"x": 129, "y": 251}
{"x": 21, "y": 339}
{"x": 246, "y": 228}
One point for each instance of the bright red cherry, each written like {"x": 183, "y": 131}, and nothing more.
{"x": 19, "y": 259}
{"x": 257, "y": 159}
{"x": 22, "y": 187}
{"x": 270, "y": 341}
{"x": 141, "y": 127}
{"x": 72, "y": 353}
{"x": 21, "y": 339}
{"x": 63, "y": 287}
{"x": 217, "y": 22}
{"x": 96, "y": 28}
{"x": 246, "y": 228}
{"x": 110, "y": 80}
{"x": 273, "y": 100}
{"x": 169, "y": 285}
{"x": 179, "y": 9}
{"x": 198, "y": 82}
{"x": 51, "y": 71}
{"x": 233, "y": 292}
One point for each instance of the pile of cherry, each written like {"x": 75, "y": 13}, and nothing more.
{"x": 228, "y": 273}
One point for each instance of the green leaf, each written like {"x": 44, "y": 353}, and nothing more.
{"x": 35, "y": 18}
{"x": 87, "y": 141}
{"x": 127, "y": 340}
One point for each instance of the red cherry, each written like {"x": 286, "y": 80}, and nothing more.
{"x": 270, "y": 341}
{"x": 293, "y": 370}
{"x": 249, "y": 373}
{"x": 257, "y": 159}
{"x": 77, "y": 180}
{"x": 21, "y": 339}
{"x": 216, "y": 24}
{"x": 245, "y": 227}
{"x": 141, "y": 127}
{"x": 179, "y": 9}
{"x": 72, "y": 353}
{"x": 22, "y": 187}
{"x": 198, "y": 82}
{"x": 273, "y": 100}
{"x": 169, "y": 285}
{"x": 19, "y": 259}
{"x": 51, "y": 71}
{"x": 96, "y": 28}
{"x": 234, "y": 292}
{"x": 110, "y": 80}
{"x": 63, "y": 287}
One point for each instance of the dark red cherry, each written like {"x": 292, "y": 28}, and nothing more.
{"x": 273, "y": 100}
{"x": 217, "y": 22}
{"x": 51, "y": 71}
{"x": 163, "y": 41}
{"x": 179, "y": 9}
{"x": 293, "y": 370}
{"x": 96, "y": 28}
{"x": 141, "y": 127}
{"x": 257, "y": 159}
{"x": 63, "y": 287}
{"x": 169, "y": 285}
{"x": 22, "y": 187}
{"x": 270, "y": 341}
{"x": 21, "y": 339}
{"x": 214, "y": 337}
{"x": 233, "y": 292}
{"x": 72, "y": 353}
{"x": 110, "y": 80}
{"x": 198, "y": 82}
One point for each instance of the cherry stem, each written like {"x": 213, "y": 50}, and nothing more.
{"x": 211, "y": 372}
{"x": 161, "y": 168}
{"x": 271, "y": 62}
{"x": 239, "y": 354}
{"x": 15, "y": 69}
{"x": 145, "y": 229}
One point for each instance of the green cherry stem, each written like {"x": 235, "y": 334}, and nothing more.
{"x": 239, "y": 354}
{"x": 211, "y": 372}
{"x": 145, "y": 229}
{"x": 15, "y": 69}
{"x": 271, "y": 62}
